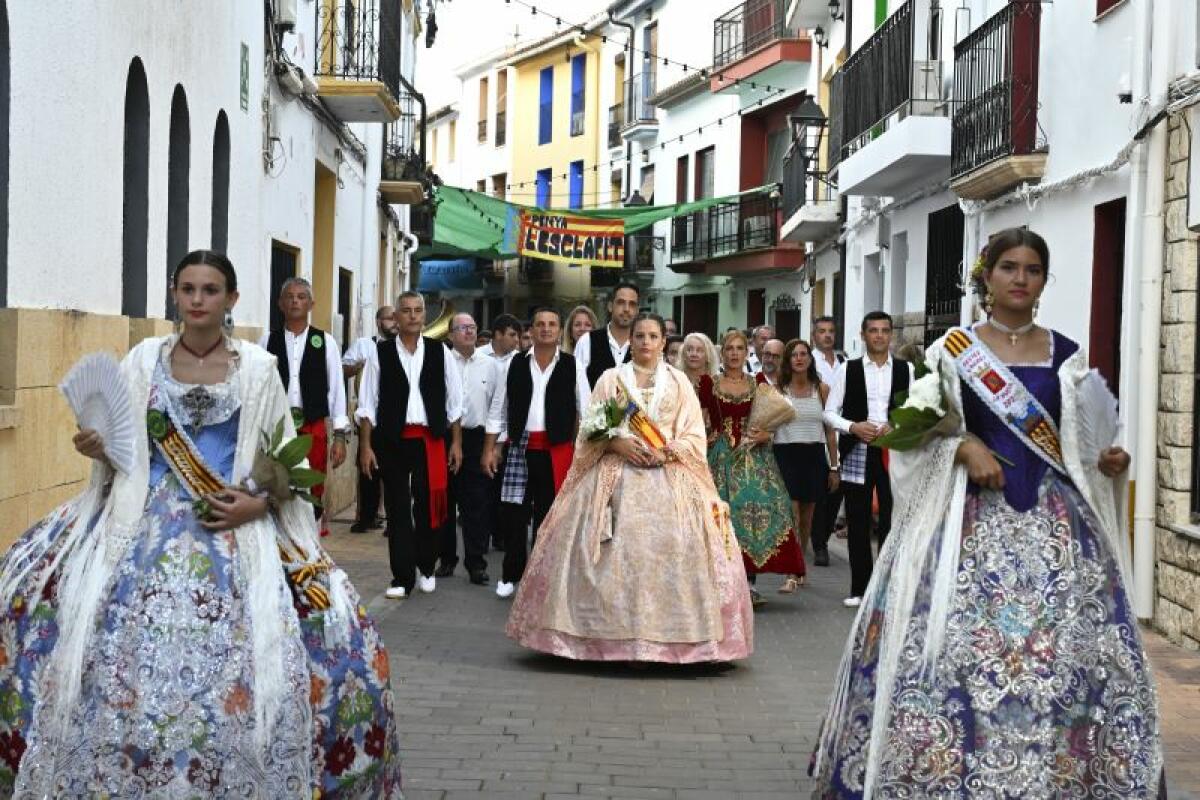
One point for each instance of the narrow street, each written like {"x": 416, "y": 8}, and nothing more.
{"x": 480, "y": 717}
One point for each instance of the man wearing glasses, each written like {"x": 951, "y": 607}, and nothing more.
{"x": 470, "y": 488}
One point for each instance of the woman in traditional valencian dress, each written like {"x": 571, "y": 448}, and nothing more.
{"x": 178, "y": 631}
{"x": 996, "y": 654}
{"x": 636, "y": 560}
{"x": 745, "y": 470}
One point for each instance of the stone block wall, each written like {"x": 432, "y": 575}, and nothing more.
{"x": 1177, "y": 539}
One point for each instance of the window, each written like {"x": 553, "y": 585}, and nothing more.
{"x": 777, "y": 145}
{"x": 546, "y": 106}
{"x": 345, "y": 302}
{"x": 220, "y": 184}
{"x": 499, "y": 184}
{"x": 483, "y": 108}
{"x": 433, "y": 144}
{"x": 136, "y": 206}
{"x": 576, "y": 185}
{"x": 647, "y": 184}
{"x": 178, "y": 169}
{"x": 284, "y": 261}
{"x": 544, "y": 177}
{"x": 681, "y": 179}
{"x": 578, "y": 73}
{"x": 501, "y": 108}
{"x": 481, "y": 186}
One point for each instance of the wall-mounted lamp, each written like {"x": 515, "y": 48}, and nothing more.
{"x": 820, "y": 37}
{"x": 835, "y": 9}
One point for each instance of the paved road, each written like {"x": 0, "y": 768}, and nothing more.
{"x": 481, "y": 717}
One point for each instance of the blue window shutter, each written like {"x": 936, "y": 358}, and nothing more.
{"x": 546, "y": 106}
{"x": 578, "y": 70}
{"x": 543, "y": 188}
{"x": 576, "y": 184}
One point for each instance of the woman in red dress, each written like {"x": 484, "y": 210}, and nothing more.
{"x": 745, "y": 470}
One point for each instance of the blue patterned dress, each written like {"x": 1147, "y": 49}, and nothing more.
{"x": 1043, "y": 689}
{"x": 166, "y": 707}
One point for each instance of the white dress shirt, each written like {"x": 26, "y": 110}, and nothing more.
{"x": 479, "y": 384}
{"x": 293, "y": 345}
{"x": 497, "y": 422}
{"x": 879, "y": 391}
{"x": 411, "y": 363}
{"x": 753, "y": 365}
{"x": 826, "y": 370}
{"x": 356, "y": 353}
{"x": 583, "y": 358}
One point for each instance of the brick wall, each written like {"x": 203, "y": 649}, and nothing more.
{"x": 1177, "y": 540}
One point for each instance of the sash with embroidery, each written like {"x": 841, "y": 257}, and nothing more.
{"x": 1005, "y": 395}
{"x": 639, "y": 418}
{"x": 178, "y": 449}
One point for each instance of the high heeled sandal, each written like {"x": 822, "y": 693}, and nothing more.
{"x": 790, "y": 585}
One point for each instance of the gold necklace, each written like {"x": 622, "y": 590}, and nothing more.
{"x": 643, "y": 370}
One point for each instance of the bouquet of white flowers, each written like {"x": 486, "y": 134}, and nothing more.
{"x": 923, "y": 415}
{"x": 603, "y": 419}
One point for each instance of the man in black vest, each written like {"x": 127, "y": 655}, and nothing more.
{"x": 410, "y": 397}
{"x": 863, "y": 395}
{"x": 605, "y": 348}
{"x": 537, "y": 407}
{"x": 310, "y": 367}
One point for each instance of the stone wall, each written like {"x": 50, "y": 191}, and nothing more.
{"x": 1177, "y": 539}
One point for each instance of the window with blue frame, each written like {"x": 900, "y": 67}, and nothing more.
{"x": 546, "y": 106}
{"x": 544, "y": 176}
{"x": 578, "y": 70}
{"x": 576, "y": 175}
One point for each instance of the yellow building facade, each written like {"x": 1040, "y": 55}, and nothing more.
{"x": 571, "y": 141}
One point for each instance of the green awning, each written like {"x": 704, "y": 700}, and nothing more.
{"x": 468, "y": 223}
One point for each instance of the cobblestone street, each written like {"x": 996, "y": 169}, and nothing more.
{"x": 481, "y": 717}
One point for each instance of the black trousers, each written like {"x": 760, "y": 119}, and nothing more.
{"x": 411, "y": 541}
{"x": 470, "y": 508}
{"x": 825, "y": 517}
{"x": 369, "y": 494}
{"x": 858, "y": 519}
{"x": 515, "y": 519}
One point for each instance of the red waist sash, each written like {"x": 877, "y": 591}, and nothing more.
{"x": 435, "y": 466}
{"x": 560, "y": 455}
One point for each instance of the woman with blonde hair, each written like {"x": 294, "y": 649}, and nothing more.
{"x": 697, "y": 357}
{"x": 580, "y": 322}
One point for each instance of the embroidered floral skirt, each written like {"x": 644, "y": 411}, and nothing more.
{"x": 761, "y": 511}
{"x": 167, "y": 707}
{"x": 1042, "y": 689}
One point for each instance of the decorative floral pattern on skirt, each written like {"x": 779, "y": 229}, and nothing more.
{"x": 761, "y": 511}
{"x": 167, "y": 708}
{"x": 1042, "y": 689}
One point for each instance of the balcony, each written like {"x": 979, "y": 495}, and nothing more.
{"x": 994, "y": 144}
{"x": 615, "y": 115}
{"x": 577, "y": 123}
{"x": 404, "y": 176}
{"x": 736, "y": 238}
{"x": 809, "y": 14}
{"x": 482, "y": 136}
{"x": 501, "y": 128}
{"x": 358, "y": 59}
{"x": 754, "y": 42}
{"x": 810, "y": 206}
{"x": 889, "y": 133}
{"x": 641, "y": 121}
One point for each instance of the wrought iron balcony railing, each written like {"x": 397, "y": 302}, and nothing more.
{"x": 801, "y": 185}
{"x": 359, "y": 41}
{"x": 726, "y": 229}
{"x": 501, "y": 128}
{"x": 615, "y": 115}
{"x": 482, "y": 130}
{"x": 740, "y": 31}
{"x": 404, "y": 140}
{"x": 996, "y": 88}
{"x": 882, "y": 80}
{"x": 638, "y": 91}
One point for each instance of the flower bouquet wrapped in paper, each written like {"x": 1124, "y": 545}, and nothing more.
{"x": 771, "y": 410}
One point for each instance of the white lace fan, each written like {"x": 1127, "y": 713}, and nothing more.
{"x": 99, "y": 395}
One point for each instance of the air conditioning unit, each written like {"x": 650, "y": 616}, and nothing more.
{"x": 285, "y": 15}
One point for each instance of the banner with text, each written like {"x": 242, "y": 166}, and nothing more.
{"x": 572, "y": 240}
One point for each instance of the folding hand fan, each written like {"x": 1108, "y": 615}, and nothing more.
{"x": 99, "y": 395}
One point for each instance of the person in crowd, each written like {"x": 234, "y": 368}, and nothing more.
{"x": 674, "y": 346}
{"x": 526, "y": 336}
{"x": 607, "y": 347}
{"x": 506, "y": 338}
{"x": 635, "y": 561}
{"x": 184, "y": 610}
{"x": 470, "y": 487}
{"x": 997, "y": 652}
{"x": 806, "y": 447}
{"x": 770, "y": 360}
{"x": 506, "y": 342}
{"x": 310, "y": 367}
{"x": 411, "y": 397}
{"x": 484, "y": 337}
{"x": 366, "y": 514}
{"x": 698, "y": 357}
{"x": 537, "y": 409}
{"x": 672, "y": 327}
{"x": 759, "y": 336}
{"x": 865, "y": 391}
{"x": 580, "y": 322}
{"x": 745, "y": 471}
{"x": 825, "y": 515}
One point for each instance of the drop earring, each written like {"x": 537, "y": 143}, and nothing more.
{"x": 988, "y": 300}
{"x": 227, "y": 324}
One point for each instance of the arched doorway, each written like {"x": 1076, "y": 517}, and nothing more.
{"x": 178, "y": 169}
{"x": 220, "y": 184}
{"x": 135, "y": 211}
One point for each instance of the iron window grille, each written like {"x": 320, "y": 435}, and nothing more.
{"x": 501, "y": 128}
